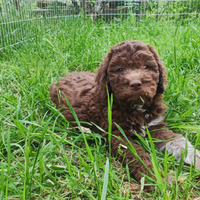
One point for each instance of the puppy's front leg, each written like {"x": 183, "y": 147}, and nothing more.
{"x": 135, "y": 167}
{"x": 176, "y": 145}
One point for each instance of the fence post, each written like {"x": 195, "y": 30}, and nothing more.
{"x": 84, "y": 7}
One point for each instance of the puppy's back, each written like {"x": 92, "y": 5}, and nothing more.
{"x": 76, "y": 87}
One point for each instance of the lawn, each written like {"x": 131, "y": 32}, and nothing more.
{"x": 42, "y": 157}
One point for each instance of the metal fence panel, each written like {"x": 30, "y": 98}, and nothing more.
{"x": 18, "y": 16}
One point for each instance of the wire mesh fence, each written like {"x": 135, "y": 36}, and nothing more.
{"x": 17, "y": 17}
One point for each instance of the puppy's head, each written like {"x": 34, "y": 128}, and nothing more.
{"x": 133, "y": 72}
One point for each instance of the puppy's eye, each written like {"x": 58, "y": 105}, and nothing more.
{"x": 120, "y": 70}
{"x": 147, "y": 67}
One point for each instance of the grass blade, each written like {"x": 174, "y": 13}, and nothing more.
{"x": 105, "y": 181}
{"x": 110, "y": 102}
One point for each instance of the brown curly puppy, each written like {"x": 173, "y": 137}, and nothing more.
{"x": 136, "y": 77}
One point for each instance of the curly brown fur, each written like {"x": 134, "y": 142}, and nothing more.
{"x": 136, "y": 77}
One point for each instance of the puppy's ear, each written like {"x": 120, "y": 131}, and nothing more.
{"x": 162, "y": 70}
{"x": 101, "y": 78}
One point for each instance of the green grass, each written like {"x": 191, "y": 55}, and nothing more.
{"x": 42, "y": 158}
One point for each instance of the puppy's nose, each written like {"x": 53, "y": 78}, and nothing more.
{"x": 135, "y": 85}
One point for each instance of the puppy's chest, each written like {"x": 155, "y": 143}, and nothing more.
{"x": 146, "y": 123}
{"x": 138, "y": 121}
